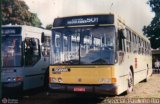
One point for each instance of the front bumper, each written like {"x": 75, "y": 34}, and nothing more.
{"x": 12, "y": 88}
{"x": 105, "y": 89}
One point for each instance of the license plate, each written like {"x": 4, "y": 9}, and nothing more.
{"x": 79, "y": 89}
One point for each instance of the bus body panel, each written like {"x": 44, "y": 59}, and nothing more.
{"x": 82, "y": 75}
{"x": 10, "y": 74}
{"x": 34, "y": 75}
{"x": 139, "y": 64}
{"x": 94, "y": 75}
{"x": 88, "y": 79}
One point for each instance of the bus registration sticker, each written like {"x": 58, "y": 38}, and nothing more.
{"x": 58, "y": 70}
{"x": 79, "y": 89}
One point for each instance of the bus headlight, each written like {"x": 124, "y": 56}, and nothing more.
{"x": 53, "y": 80}
{"x": 60, "y": 80}
{"x": 8, "y": 79}
{"x": 14, "y": 78}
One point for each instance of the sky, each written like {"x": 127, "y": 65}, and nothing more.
{"x": 136, "y": 13}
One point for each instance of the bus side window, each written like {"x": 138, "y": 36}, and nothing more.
{"x": 121, "y": 38}
{"x": 128, "y": 41}
{"x": 57, "y": 40}
{"x": 46, "y": 46}
{"x": 139, "y": 45}
{"x": 32, "y": 51}
{"x": 136, "y": 44}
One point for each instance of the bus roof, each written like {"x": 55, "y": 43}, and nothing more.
{"x": 84, "y": 20}
{"x": 93, "y": 19}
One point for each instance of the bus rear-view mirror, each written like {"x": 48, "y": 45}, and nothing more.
{"x": 42, "y": 37}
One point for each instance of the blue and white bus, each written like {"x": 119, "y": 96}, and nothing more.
{"x": 25, "y": 57}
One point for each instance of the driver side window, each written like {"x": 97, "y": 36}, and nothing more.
{"x": 32, "y": 51}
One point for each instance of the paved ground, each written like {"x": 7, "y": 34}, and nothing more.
{"x": 151, "y": 89}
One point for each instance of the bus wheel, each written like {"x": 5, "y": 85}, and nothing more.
{"x": 130, "y": 82}
{"x": 46, "y": 79}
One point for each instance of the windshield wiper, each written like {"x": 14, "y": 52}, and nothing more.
{"x": 99, "y": 61}
{"x": 70, "y": 62}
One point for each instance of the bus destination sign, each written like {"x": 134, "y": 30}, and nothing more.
{"x": 11, "y": 30}
{"x": 84, "y": 20}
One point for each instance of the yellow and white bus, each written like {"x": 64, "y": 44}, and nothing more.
{"x": 97, "y": 54}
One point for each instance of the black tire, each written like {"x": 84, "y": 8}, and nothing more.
{"x": 130, "y": 82}
{"x": 46, "y": 79}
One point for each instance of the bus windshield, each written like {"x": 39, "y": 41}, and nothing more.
{"x": 11, "y": 50}
{"x": 84, "y": 45}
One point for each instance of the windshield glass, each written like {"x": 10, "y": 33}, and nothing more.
{"x": 11, "y": 50}
{"x": 88, "y": 45}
